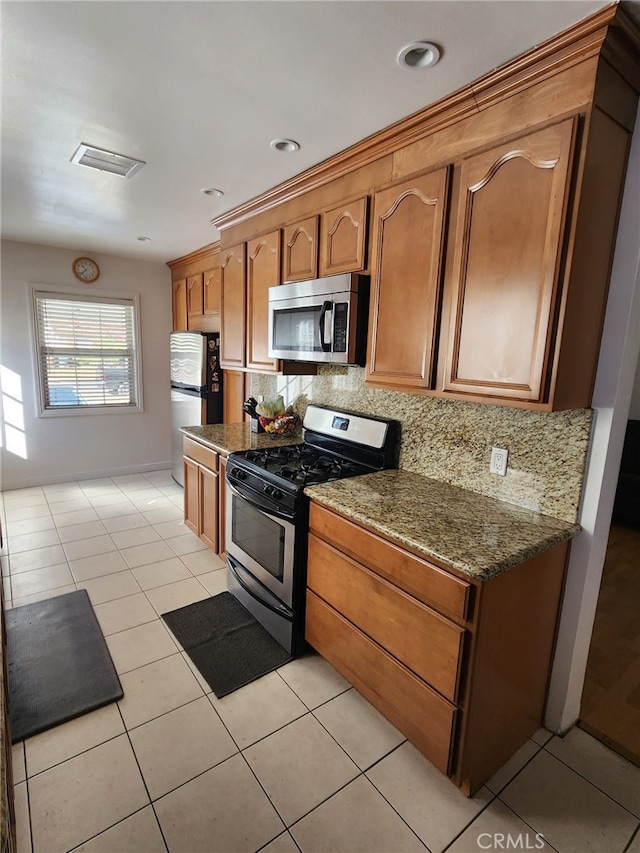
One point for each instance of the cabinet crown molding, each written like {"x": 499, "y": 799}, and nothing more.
{"x": 198, "y": 255}
{"x": 585, "y": 39}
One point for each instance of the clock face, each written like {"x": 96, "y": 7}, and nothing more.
{"x": 85, "y": 269}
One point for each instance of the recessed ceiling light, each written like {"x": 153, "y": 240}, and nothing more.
{"x": 144, "y": 239}
{"x": 106, "y": 161}
{"x": 418, "y": 54}
{"x": 212, "y": 191}
{"x": 285, "y": 144}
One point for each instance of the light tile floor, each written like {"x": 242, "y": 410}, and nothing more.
{"x": 295, "y": 761}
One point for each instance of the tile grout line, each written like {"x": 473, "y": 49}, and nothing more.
{"x": 634, "y": 836}
{"x": 144, "y": 781}
{"x": 593, "y": 784}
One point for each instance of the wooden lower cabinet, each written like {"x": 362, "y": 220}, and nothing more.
{"x": 204, "y": 472}
{"x": 460, "y": 666}
{"x": 222, "y": 506}
{"x": 408, "y": 702}
{"x": 209, "y": 519}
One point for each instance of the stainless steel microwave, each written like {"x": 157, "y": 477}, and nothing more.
{"x": 322, "y": 320}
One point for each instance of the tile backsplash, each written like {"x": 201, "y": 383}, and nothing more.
{"x": 451, "y": 441}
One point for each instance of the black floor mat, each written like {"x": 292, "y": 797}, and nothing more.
{"x": 227, "y": 645}
{"x": 59, "y": 664}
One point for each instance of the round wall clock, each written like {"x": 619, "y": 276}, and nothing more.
{"x": 86, "y": 270}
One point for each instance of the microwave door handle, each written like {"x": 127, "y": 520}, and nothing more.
{"x": 326, "y": 307}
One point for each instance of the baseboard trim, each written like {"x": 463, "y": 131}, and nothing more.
{"x": 29, "y": 482}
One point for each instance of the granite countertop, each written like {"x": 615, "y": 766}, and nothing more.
{"x": 230, "y": 438}
{"x": 477, "y": 535}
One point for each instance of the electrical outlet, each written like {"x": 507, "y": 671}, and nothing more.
{"x": 498, "y": 464}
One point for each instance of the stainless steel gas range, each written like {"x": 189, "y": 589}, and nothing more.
{"x": 267, "y": 514}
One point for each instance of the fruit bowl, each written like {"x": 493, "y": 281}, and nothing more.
{"x": 280, "y": 425}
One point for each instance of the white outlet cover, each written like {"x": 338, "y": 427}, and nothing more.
{"x": 499, "y": 458}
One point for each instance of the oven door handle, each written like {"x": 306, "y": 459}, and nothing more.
{"x": 262, "y": 595}
{"x": 326, "y": 306}
{"x": 263, "y": 506}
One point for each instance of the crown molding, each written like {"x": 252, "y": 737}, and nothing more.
{"x": 199, "y": 255}
{"x": 583, "y": 40}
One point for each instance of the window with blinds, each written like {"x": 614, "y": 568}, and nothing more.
{"x": 87, "y": 354}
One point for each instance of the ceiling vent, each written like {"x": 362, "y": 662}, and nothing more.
{"x": 106, "y": 161}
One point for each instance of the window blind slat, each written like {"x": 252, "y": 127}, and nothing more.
{"x": 87, "y": 351}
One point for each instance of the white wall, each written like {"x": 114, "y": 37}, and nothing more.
{"x": 611, "y": 401}
{"x": 75, "y": 447}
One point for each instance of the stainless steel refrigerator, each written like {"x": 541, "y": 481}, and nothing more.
{"x": 196, "y": 387}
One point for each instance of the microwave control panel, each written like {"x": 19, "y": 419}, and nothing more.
{"x": 340, "y": 325}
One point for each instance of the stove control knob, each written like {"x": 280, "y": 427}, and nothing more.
{"x": 268, "y": 490}
{"x": 277, "y": 494}
{"x": 240, "y": 474}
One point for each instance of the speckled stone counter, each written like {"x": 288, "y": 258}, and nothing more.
{"x": 230, "y": 438}
{"x": 477, "y": 535}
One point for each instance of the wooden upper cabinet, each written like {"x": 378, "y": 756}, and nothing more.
{"x": 300, "y": 250}
{"x": 407, "y": 264}
{"x": 195, "y": 289}
{"x": 343, "y": 238}
{"x": 263, "y": 272}
{"x": 179, "y": 299}
{"x": 232, "y": 320}
{"x": 511, "y": 214}
{"x": 211, "y": 297}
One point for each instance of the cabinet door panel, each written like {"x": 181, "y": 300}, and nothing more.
{"x": 234, "y": 393}
{"x": 191, "y": 495}
{"x": 408, "y": 222}
{"x": 195, "y": 288}
{"x": 232, "y": 321}
{"x": 429, "y": 584}
{"x": 179, "y": 296}
{"x": 343, "y": 244}
{"x": 263, "y": 272}
{"x": 222, "y": 513}
{"x": 411, "y": 705}
{"x": 300, "y": 250}
{"x": 209, "y": 508}
{"x": 425, "y": 642}
{"x": 211, "y": 299}
{"x": 511, "y": 214}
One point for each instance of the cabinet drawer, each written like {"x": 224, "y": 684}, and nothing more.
{"x": 427, "y": 583}
{"x": 427, "y": 643}
{"x": 200, "y": 453}
{"x": 417, "y": 711}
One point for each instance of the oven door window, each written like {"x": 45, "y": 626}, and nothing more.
{"x": 262, "y": 538}
{"x": 297, "y": 329}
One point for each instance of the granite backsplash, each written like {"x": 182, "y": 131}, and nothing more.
{"x": 451, "y": 441}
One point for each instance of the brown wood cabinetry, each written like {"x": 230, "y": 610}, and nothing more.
{"x": 209, "y": 510}
{"x": 247, "y": 271}
{"x": 235, "y": 390}
{"x": 408, "y": 256}
{"x": 196, "y": 290}
{"x": 204, "y": 474}
{"x": 343, "y": 238}
{"x": 222, "y": 505}
{"x": 300, "y": 250}
{"x": 408, "y": 702}
{"x": 492, "y": 285}
{"x": 263, "y": 272}
{"x": 179, "y": 304}
{"x": 212, "y": 297}
{"x": 232, "y": 324}
{"x": 460, "y": 666}
{"x": 512, "y": 210}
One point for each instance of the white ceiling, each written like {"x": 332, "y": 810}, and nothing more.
{"x": 198, "y": 90}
